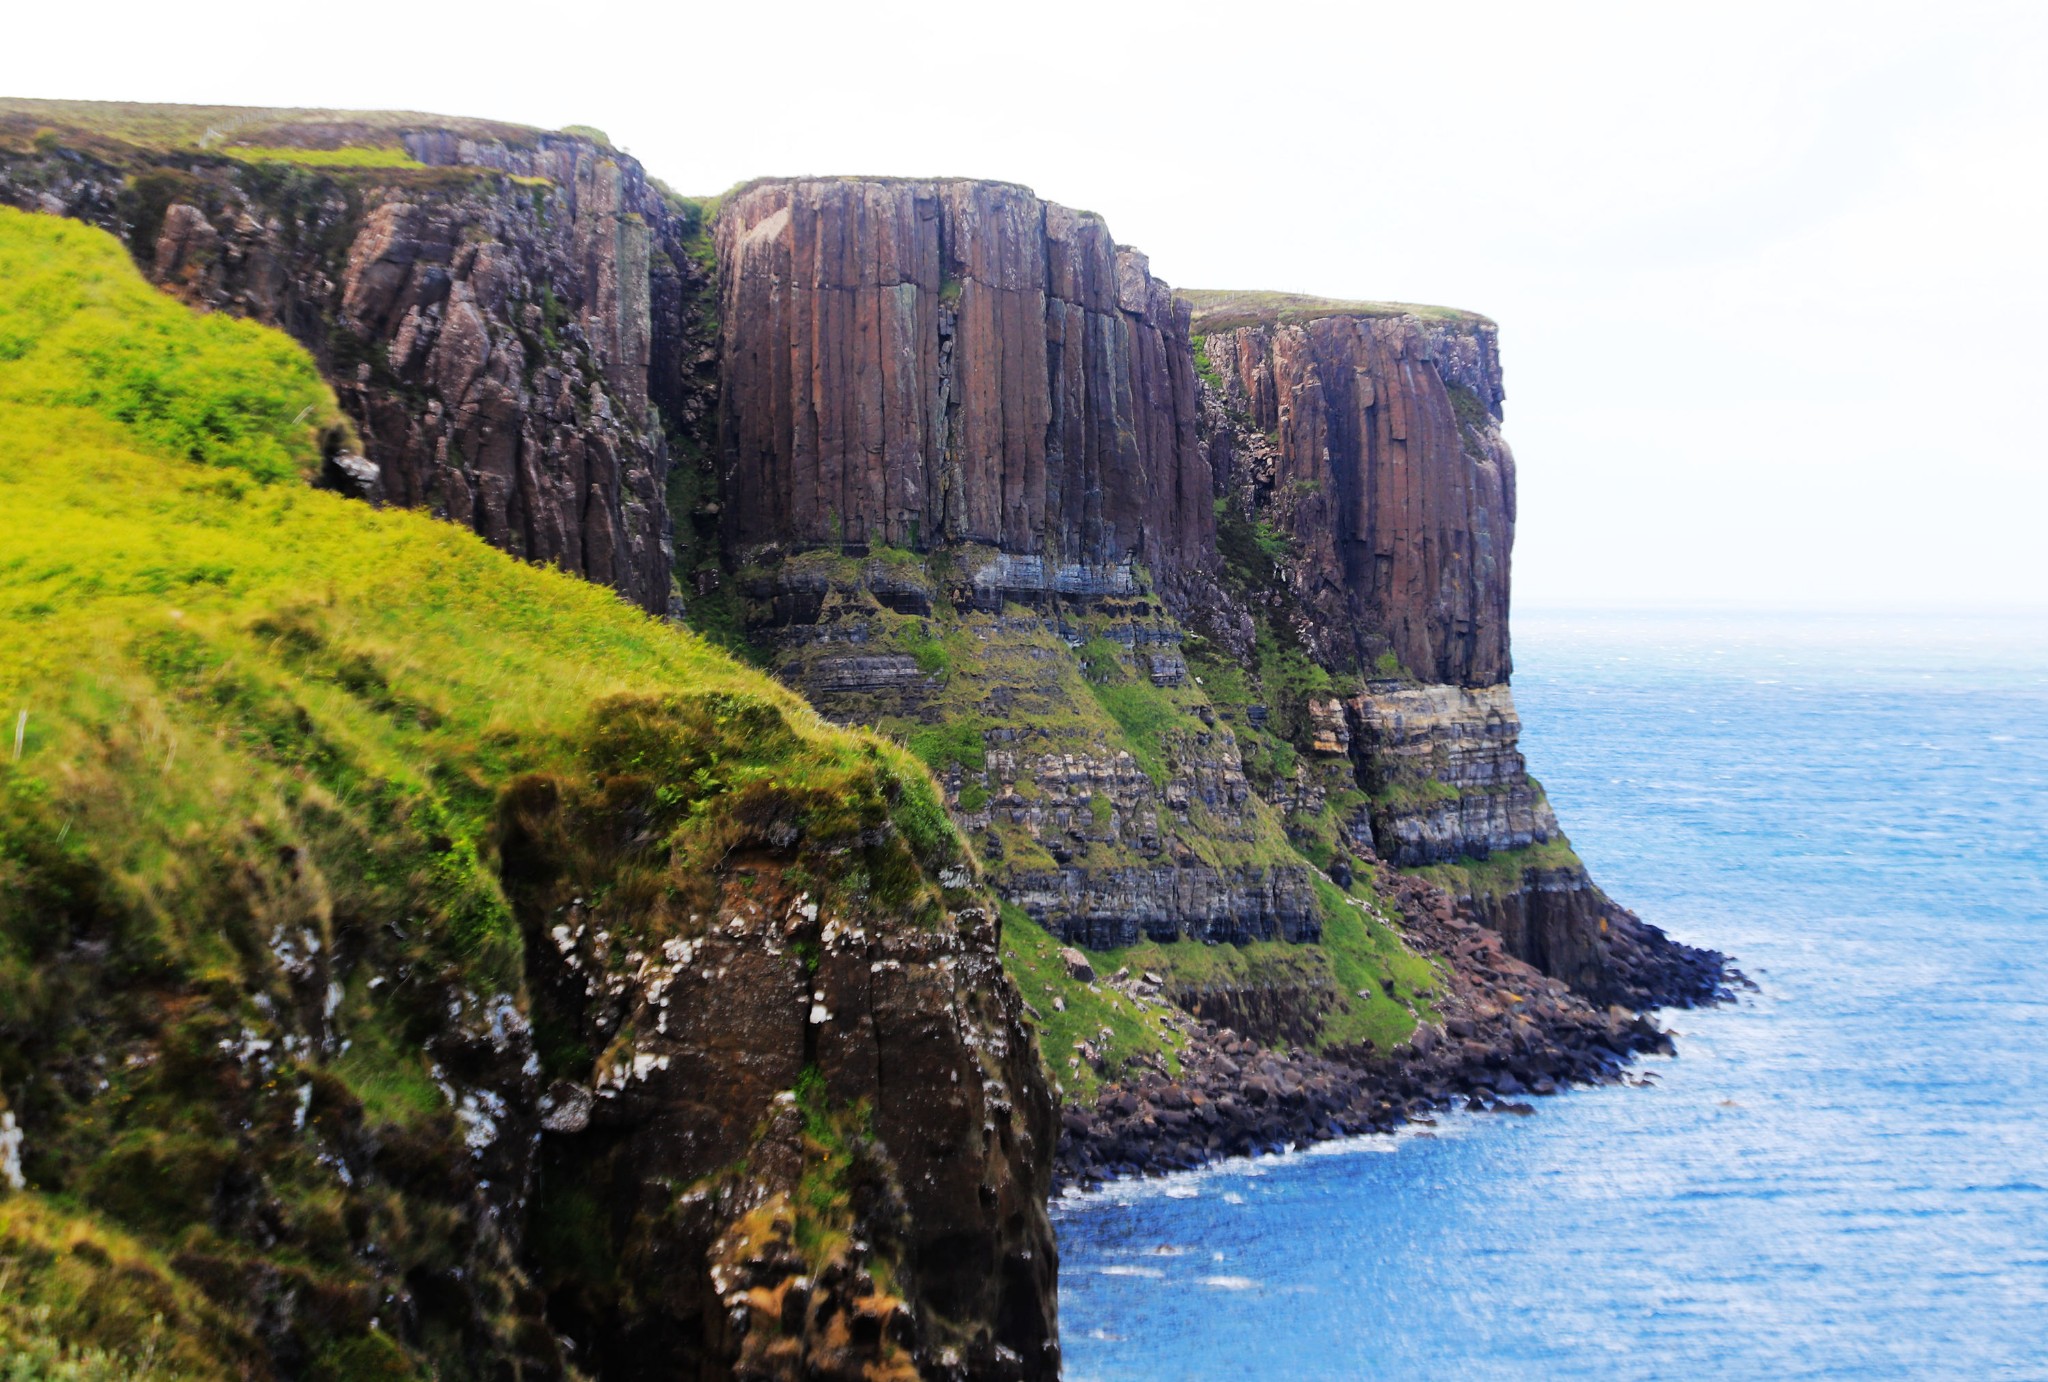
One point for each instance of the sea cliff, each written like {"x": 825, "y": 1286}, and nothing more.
{"x": 1161, "y": 644}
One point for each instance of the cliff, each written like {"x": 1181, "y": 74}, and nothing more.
{"x": 507, "y": 315}
{"x": 1371, "y": 497}
{"x": 960, "y": 465}
{"x": 1382, "y": 462}
{"x": 912, "y": 363}
{"x": 638, "y": 1005}
{"x": 418, "y": 963}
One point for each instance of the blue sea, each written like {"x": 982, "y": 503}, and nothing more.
{"x": 1843, "y": 1175}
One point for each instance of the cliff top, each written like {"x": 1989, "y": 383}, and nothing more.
{"x": 166, "y": 126}
{"x": 896, "y": 180}
{"x": 1226, "y": 309}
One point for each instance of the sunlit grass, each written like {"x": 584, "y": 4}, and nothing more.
{"x": 350, "y": 156}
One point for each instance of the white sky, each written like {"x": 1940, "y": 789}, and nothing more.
{"x": 1769, "y": 277}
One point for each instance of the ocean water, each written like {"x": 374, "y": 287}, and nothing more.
{"x": 1844, "y": 1175}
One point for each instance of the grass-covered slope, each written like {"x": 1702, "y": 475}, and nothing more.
{"x": 255, "y": 752}
{"x": 1225, "y": 309}
{"x": 1058, "y": 750}
{"x": 141, "y": 124}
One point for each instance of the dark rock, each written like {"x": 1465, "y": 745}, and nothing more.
{"x": 497, "y": 345}
{"x": 349, "y": 474}
{"x": 909, "y": 362}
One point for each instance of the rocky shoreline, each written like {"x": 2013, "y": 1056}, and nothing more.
{"x": 1508, "y": 1033}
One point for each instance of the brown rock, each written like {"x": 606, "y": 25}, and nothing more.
{"x": 1395, "y": 485}
{"x": 919, "y": 362}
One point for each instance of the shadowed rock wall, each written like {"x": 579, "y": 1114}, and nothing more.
{"x": 912, "y": 363}
{"x": 1387, "y": 470}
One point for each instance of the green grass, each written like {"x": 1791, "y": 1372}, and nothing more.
{"x": 1217, "y": 310}
{"x": 1338, "y": 982}
{"x": 67, "y": 1277}
{"x": 169, "y": 126}
{"x": 1146, "y": 715}
{"x": 1500, "y": 873}
{"x": 1365, "y": 951}
{"x": 1471, "y": 410}
{"x": 1204, "y": 366}
{"x": 933, "y": 659}
{"x": 350, "y": 156}
{"x": 957, "y": 740}
{"x": 249, "y": 711}
{"x": 1031, "y": 958}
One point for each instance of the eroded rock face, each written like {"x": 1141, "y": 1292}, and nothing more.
{"x": 1106, "y": 908}
{"x": 501, "y": 345}
{"x": 794, "y": 1125}
{"x": 1382, "y": 460}
{"x": 913, "y": 363}
{"x": 941, "y": 1261}
{"x": 1368, "y": 438}
{"x": 1446, "y": 776}
{"x": 1096, "y": 846}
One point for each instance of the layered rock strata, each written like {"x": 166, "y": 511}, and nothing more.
{"x": 987, "y": 387}
{"x": 508, "y": 327}
{"x": 1365, "y": 438}
{"x": 1444, "y": 773}
{"x": 1508, "y": 1033}
{"x": 1012, "y": 706}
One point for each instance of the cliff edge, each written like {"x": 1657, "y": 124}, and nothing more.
{"x": 414, "y": 962}
{"x": 548, "y": 988}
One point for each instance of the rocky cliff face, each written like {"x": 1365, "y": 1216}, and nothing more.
{"x": 493, "y": 982}
{"x": 1370, "y": 515}
{"x": 1375, "y": 447}
{"x": 1445, "y": 775}
{"x": 915, "y": 363}
{"x": 508, "y": 324}
{"x": 958, "y": 433}
{"x": 1195, "y": 607}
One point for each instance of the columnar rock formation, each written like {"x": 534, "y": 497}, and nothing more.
{"x": 963, "y": 370}
{"x": 1387, "y": 470}
{"x": 1196, "y": 607}
{"x": 1368, "y": 435}
{"x": 910, "y": 363}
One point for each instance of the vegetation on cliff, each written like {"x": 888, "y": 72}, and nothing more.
{"x": 264, "y": 747}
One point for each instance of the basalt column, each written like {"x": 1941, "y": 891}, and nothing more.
{"x": 915, "y": 363}
{"x": 1369, "y": 436}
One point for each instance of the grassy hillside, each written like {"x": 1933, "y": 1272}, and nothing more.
{"x": 246, "y": 727}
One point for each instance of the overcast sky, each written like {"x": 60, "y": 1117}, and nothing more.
{"x": 1769, "y": 277}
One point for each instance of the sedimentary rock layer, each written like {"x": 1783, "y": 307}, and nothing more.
{"x": 1508, "y": 1032}
{"x": 1444, "y": 772}
{"x": 1384, "y": 464}
{"x": 912, "y": 363}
